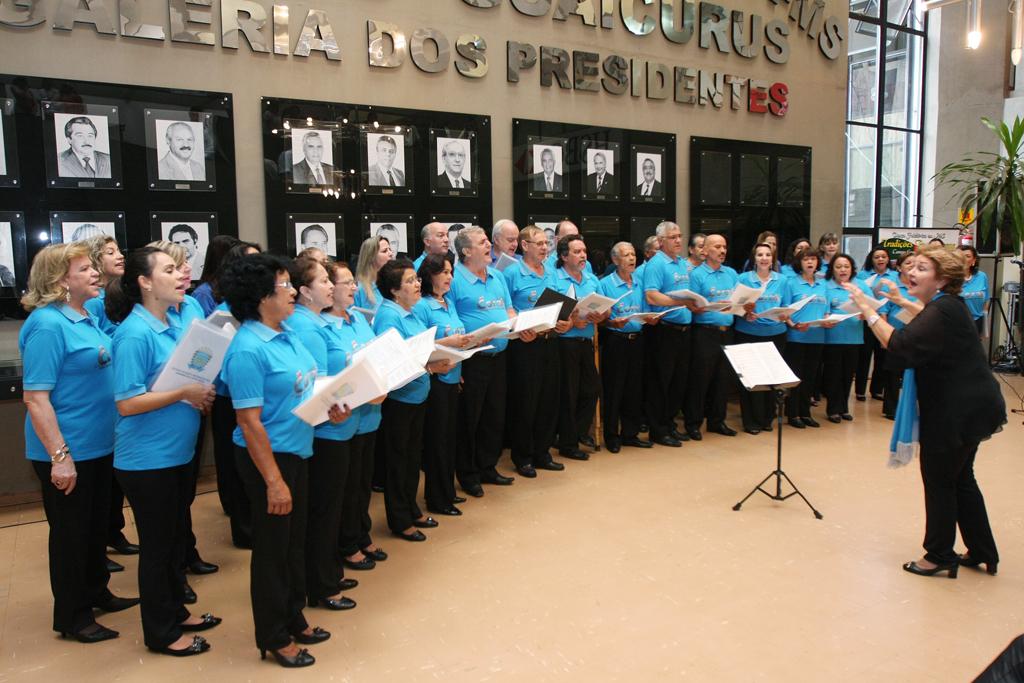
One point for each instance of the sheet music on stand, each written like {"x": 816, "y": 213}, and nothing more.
{"x": 760, "y": 367}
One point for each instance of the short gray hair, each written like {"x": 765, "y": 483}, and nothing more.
{"x": 663, "y": 228}
{"x": 652, "y": 243}
{"x": 462, "y": 239}
{"x": 496, "y": 230}
{"x": 617, "y": 249}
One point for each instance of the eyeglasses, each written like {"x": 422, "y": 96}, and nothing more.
{"x": 284, "y": 285}
{"x": 414, "y": 280}
{"x": 535, "y": 243}
{"x": 346, "y": 283}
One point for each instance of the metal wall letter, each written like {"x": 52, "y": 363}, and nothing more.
{"x": 424, "y": 60}
{"x": 132, "y": 27}
{"x": 636, "y": 77}
{"x": 317, "y": 24}
{"x": 554, "y": 61}
{"x": 584, "y": 70}
{"x": 777, "y": 49}
{"x": 483, "y": 4}
{"x": 95, "y": 12}
{"x": 714, "y": 23}
{"x": 184, "y": 12}
{"x": 669, "y": 11}
{"x": 633, "y": 25}
{"x": 232, "y": 23}
{"x": 831, "y": 37}
{"x": 810, "y": 15}
{"x": 711, "y": 87}
{"x": 25, "y": 13}
{"x": 520, "y": 56}
{"x": 582, "y": 8}
{"x": 659, "y": 81}
{"x": 616, "y": 70}
{"x": 281, "y": 38}
{"x": 471, "y": 61}
{"x": 736, "y": 85}
{"x": 532, "y": 8}
{"x": 607, "y": 13}
{"x": 686, "y": 85}
{"x": 743, "y": 47}
{"x": 376, "y": 32}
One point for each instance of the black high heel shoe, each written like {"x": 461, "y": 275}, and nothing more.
{"x": 198, "y": 646}
{"x": 968, "y": 561}
{"x": 318, "y": 635}
{"x": 303, "y": 658}
{"x": 208, "y": 622}
{"x": 950, "y": 567}
{"x": 93, "y": 633}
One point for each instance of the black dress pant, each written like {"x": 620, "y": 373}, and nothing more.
{"x": 481, "y": 417}
{"x": 401, "y": 431}
{"x": 277, "y": 567}
{"x": 581, "y": 388}
{"x": 328, "y": 470}
{"x": 115, "y": 513}
{"x": 354, "y": 534}
{"x": 871, "y": 348}
{"x": 535, "y": 368}
{"x": 191, "y": 550}
{"x": 758, "y": 407}
{"x": 439, "y": 439}
{"x": 77, "y": 542}
{"x": 159, "y": 500}
{"x": 233, "y": 497}
{"x": 804, "y": 360}
{"x": 840, "y": 361}
{"x": 665, "y": 387}
{"x": 951, "y": 498}
{"x": 893, "y": 385}
{"x": 622, "y": 364}
{"x": 711, "y": 376}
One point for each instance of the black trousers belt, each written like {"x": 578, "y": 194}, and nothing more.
{"x": 675, "y": 327}
{"x": 628, "y": 336}
{"x": 580, "y": 340}
{"x": 717, "y": 328}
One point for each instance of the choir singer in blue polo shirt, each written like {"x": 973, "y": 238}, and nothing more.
{"x": 803, "y": 343}
{"x": 69, "y": 440}
{"x": 842, "y": 342}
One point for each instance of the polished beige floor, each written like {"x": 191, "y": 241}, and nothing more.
{"x": 629, "y": 567}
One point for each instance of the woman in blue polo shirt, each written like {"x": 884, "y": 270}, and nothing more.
{"x": 758, "y": 407}
{"x": 436, "y": 309}
{"x": 876, "y": 269}
{"x": 897, "y": 311}
{"x": 581, "y": 384}
{"x": 975, "y": 291}
{"x": 404, "y": 410}
{"x": 65, "y": 356}
{"x": 154, "y": 444}
{"x": 328, "y": 466}
{"x": 374, "y": 253}
{"x": 346, "y": 333}
{"x": 796, "y": 246}
{"x": 842, "y": 342}
{"x": 804, "y": 344}
{"x": 269, "y": 373}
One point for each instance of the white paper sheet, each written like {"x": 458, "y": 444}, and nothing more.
{"x": 354, "y": 386}
{"x": 851, "y": 307}
{"x": 650, "y": 315}
{"x": 392, "y": 358}
{"x": 760, "y": 367}
{"x": 490, "y": 331}
{"x": 504, "y": 261}
{"x": 422, "y": 345}
{"x": 539, "y": 319}
{"x": 455, "y": 355}
{"x": 196, "y": 359}
{"x": 779, "y": 311}
{"x": 838, "y": 318}
{"x": 225, "y": 321}
{"x": 597, "y": 303}
{"x": 687, "y": 295}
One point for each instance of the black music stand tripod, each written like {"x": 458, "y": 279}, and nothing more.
{"x": 778, "y": 473}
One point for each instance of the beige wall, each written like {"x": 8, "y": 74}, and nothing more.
{"x": 817, "y": 85}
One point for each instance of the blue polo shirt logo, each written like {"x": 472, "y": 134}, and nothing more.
{"x": 679, "y": 277}
{"x": 485, "y": 305}
{"x": 104, "y": 357}
{"x": 304, "y": 381}
{"x": 716, "y": 293}
{"x": 533, "y": 296}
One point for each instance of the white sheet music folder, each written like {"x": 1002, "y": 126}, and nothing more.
{"x": 760, "y": 367}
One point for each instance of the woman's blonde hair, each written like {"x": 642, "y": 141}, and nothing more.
{"x": 949, "y": 265}
{"x": 49, "y": 267}
{"x": 96, "y": 246}
{"x": 366, "y": 271}
{"x": 175, "y": 251}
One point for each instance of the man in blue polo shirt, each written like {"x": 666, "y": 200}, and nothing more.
{"x": 504, "y": 240}
{"x": 435, "y": 241}
{"x": 481, "y": 297}
{"x": 712, "y": 376}
{"x": 667, "y": 271}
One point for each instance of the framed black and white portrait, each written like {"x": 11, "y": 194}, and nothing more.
{"x": 180, "y": 150}
{"x": 9, "y": 175}
{"x": 392, "y": 227}
{"x": 191, "y": 231}
{"x": 387, "y": 160}
{"x": 547, "y": 168}
{"x": 648, "y": 174}
{"x": 323, "y": 231}
{"x": 453, "y": 164}
{"x": 315, "y": 162}
{"x": 601, "y": 175}
{"x": 549, "y": 224}
{"x": 82, "y": 145}
{"x": 74, "y": 226}
{"x": 13, "y": 265}
{"x": 453, "y": 223}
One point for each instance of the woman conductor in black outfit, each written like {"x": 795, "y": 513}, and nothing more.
{"x": 959, "y": 403}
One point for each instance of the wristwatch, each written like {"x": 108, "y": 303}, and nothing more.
{"x": 60, "y": 455}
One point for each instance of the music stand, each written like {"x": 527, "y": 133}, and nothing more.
{"x": 761, "y": 368}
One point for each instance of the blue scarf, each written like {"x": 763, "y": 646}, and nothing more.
{"x": 905, "y": 444}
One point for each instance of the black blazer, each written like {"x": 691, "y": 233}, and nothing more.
{"x": 957, "y": 395}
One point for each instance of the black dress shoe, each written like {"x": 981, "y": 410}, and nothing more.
{"x": 835, "y": 419}
{"x": 198, "y": 647}
{"x": 497, "y": 479}
{"x": 347, "y": 584}
{"x": 588, "y": 441}
{"x": 877, "y": 397}
{"x": 526, "y": 471}
{"x": 967, "y": 561}
{"x": 125, "y": 548}
{"x": 861, "y": 397}
{"x": 376, "y": 555}
{"x": 613, "y": 445}
{"x": 200, "y": 567}
{"x": 458, "y": 500}
{"x": 752, "y": 431}
{"x": 416, "y": 536}
{"x": 425, "y": 523}
{"x": 797, "y": 423}
{"x": 450, "y": 511}
{"x": 208, "y": 622}
{"x": 847, "y": 417}
{"x": 318, "y": 635}
{"x": 364, "y": 564}
{"x": 190, "y": 597}
{"x": 914, "y": 568}
{"x": 680, "y": 436}
{"x": 113, "y": 567}
{"x": 573, "y": 454}
{"x": 810, "y": 422}
{"x": 694, "y": 434}
{"x": 549, "y": 465}
{"x": 670, "y": 441}
{"x": 93, "y": 633}
{"x": 377, "y": 488}
{"x": 634, "y": 442}
{"x": 303, "y": 658}
{"x": 475, "y": 490}
{"x": 767, "y": 427}
{"x": 116, "y": 604}
{"x": 336, "y": 604}
{"x": 723, "y": 429}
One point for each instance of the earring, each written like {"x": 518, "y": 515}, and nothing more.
{"x": 67, "y": 294}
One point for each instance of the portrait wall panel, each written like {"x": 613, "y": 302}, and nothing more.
{"x": 9, "y": 174}
{"x": 325, "y": 232}
{"x": 313, "y": 162}
{"x": 387, "y": 161}
{"x": 13, "y": 265}
{"x": 547, "y": 167}
{"x": 453, "y": 223}
{"x": 191, "y": 231}
{"x": 181, "y": 147}
{"x": 83, "y": 145}
{"x": 395, "y": 228}
{"x": 601, "y": 172}
{"x": 648, "y": 174}
{"x": 453, "y": 164}
{"x": 75, "y": 226}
